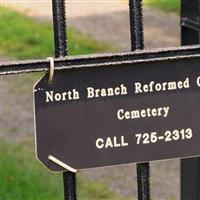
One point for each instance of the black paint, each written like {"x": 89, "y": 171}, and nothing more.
{"x": 190, "y": 167}
{"x": 68, "y": 62}
{"x": 61, "y": 49}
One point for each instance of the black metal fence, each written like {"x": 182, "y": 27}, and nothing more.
{"x": 190, "y": 24}
{"x": 190, "y": 34}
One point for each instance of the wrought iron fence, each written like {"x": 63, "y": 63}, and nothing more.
{"x": 190, "y": 23}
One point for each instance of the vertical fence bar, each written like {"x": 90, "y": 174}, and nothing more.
{"x": 132, "y": 24}
{"x": 137, "y": 42}
{"x": 190, "y": 168}
{"x": 143, "y": 179}
{"x": 60, "y": 28}
{"x": 60, "y": 41}
{"x": 139, "y": 24}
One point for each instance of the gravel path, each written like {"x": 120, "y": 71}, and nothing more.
{"x": 161, "y": 30}
{"x": 114, "y": 28}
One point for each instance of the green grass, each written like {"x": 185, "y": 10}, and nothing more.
{"x": 22, "y": 177}
{"x": 166, "y": 5}
{"x": 23, "y": 38}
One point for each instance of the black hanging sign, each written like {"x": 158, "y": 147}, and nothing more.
{"x": 103, "y": 116}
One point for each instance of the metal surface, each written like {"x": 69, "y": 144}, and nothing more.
{"x": 190, "y": 22}
{"x": 69, "y": 180}
{"x": 136, "y": 24}
{"x": 190, "y": 168}
{"x": 143, "y": 171}
{"x": 60, "y": 33}
{"x": 132, "y": 24}
{"x": 193, "y": 24}
{"x": 71, "y": 62}
{"x": 139, "y": 25}
{"x": 60, "y": 42}
{"x": 111, "y": 137}
{"x": 190, "y": 179}
{"x": 137, "y": 42}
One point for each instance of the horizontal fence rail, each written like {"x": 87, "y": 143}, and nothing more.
{"x": 72, "y": 62}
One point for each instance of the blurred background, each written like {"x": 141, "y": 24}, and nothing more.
{"x": 94, "y": 26}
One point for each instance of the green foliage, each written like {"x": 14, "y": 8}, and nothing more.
{"x": 166, "y": 5}
{"x": 22, "y": 177}
{"x": 23, "y": 37}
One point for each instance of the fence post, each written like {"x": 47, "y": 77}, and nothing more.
{"x": 137, "y": 42}
{"x": 60, "y": 41}
{"x": 190, "y": 34}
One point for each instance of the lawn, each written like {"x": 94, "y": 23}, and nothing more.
{"x": 166, "y": 5}
{"x": 24, "y": 38}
